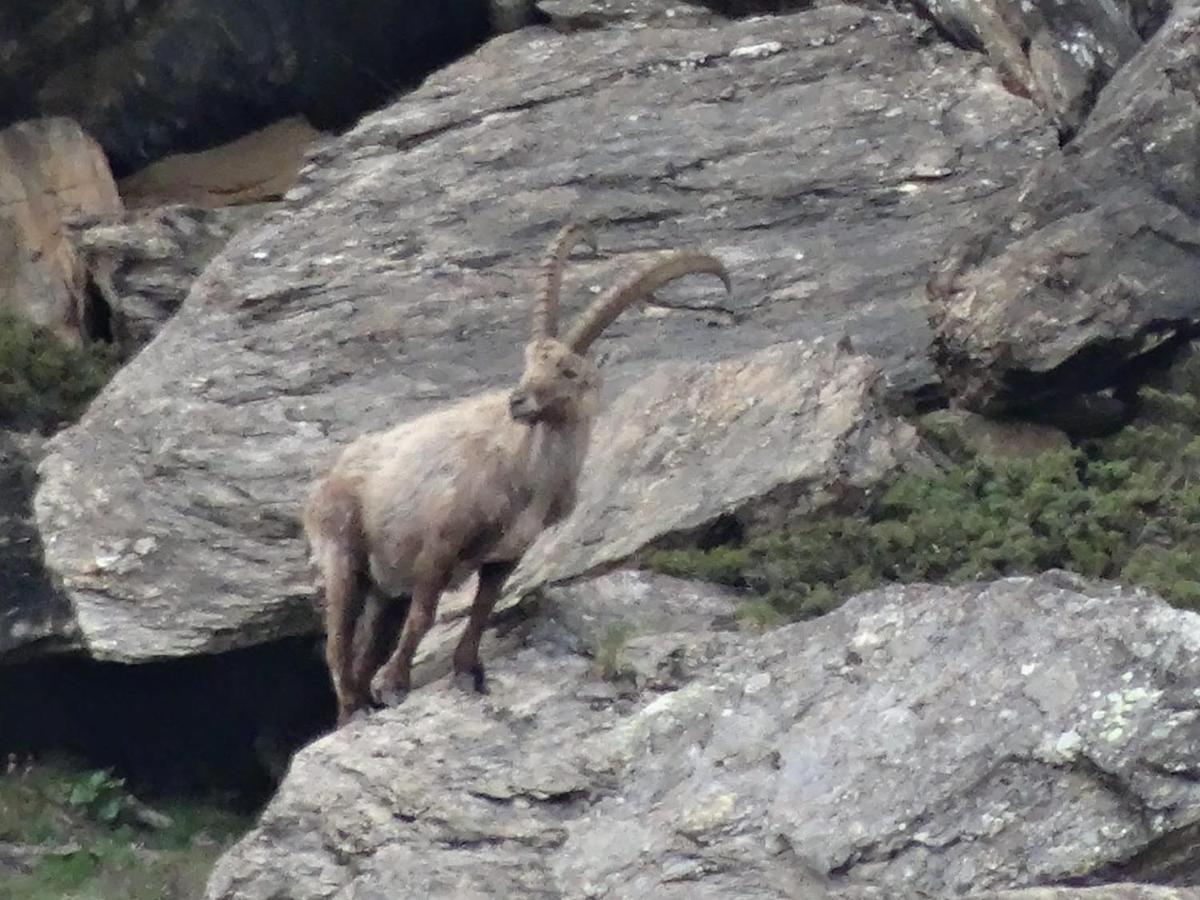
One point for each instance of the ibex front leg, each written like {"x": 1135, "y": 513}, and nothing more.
{"x": 378, "y": 635}
{"x": 468, "y": 670}
{"x": 393, "y": 681}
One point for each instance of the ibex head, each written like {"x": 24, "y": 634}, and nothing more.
{"x": 560, "y": 382}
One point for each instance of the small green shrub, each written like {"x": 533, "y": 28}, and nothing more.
{"x": 101, "y": 795}
{"x": 43, "y": 381}
{"x": 94, "y": 849}
{"x": 1126, "y": 507}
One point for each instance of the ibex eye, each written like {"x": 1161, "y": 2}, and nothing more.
{"x": 570, "y": 373}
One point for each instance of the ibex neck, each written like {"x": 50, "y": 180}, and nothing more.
{"x": 557, "y": 449}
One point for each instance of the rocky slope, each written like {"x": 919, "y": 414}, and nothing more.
{"x": 793, "y": 147}
{"x": 919, "y": 741}
{"x": 850, "y": 165}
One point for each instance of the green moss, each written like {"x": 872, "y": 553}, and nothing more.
{"x": 95, "y": 848}
{"x": 1125, "y": 508}
{"x": 43, "y": 381}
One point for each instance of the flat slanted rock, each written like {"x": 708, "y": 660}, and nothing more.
{"x": 827, "y": 157}
{"x": 918, "y": 741}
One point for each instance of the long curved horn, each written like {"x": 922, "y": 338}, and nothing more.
{"x": 545, "y": 309}
{"x": 610, "y": 304}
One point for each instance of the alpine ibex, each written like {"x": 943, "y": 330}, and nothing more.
{"x": 407, "y": 513}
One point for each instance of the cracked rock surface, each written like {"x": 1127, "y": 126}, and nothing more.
{"x": 144, "y": 261}
{"x": 398, "y": 274}
{"x": 1060, "y": 54}
{"x": 1123, "y": 891}
{"x": 1097, "y": 263}
{"x": 919, "y": 741}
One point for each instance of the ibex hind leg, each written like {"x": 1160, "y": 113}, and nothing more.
{"x": 378, "y": 634}
{"x": 345, "y": 591}
{"x": 336, "y": 530}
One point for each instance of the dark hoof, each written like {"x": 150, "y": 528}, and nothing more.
{"x": 351, "y": 709}
{"x": 349, "y": 717}
{"x": 386, "y": 695}
{"x": 473, "y": 680}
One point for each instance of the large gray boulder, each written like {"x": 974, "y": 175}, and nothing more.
{"x": 826, "y": 157}
{"x": 919, "y": 741}
{"x": 1096, "y": 266}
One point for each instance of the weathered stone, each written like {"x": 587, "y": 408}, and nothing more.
{"x": 1096, "y": 267}
{"x": 50, "y": 171}
{"x": 599, "y": 13}
{"x": 257, "y": 167}
{"x": 143, "y": 263}
{"x": 788, "y": 420}
{"x": 1059, "y": 53}
{"x": 34, "y": 618}
{"x": 919, "y": 741}
{"x": 1107, "y": 892}
{"x": 398, "y": 278}
{"x": 656, "y": 630}
{"x": 689, "y": 443}
{"x": 643, "y": 602}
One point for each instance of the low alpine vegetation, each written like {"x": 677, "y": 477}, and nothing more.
{"x": 1126, "y": 508}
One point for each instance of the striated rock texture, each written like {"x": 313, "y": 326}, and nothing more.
{"x": 1097, "y": 264}
{"x": 399, "y": 276}
{"x": 143, "y": 263}
{"x": 573, "y": 14}
{"x": 1124, "y": 891}
{"x": 149, "y": 77}
{"x": 1060, "y": 54}
{"x": 919, "y": 741}
{"x": 50, "y": 173}
{"x": 757, "y": 437}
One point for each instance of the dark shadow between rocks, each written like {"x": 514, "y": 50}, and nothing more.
{"x": 226, "y": 723}
{"x": 1094, "y": 392}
